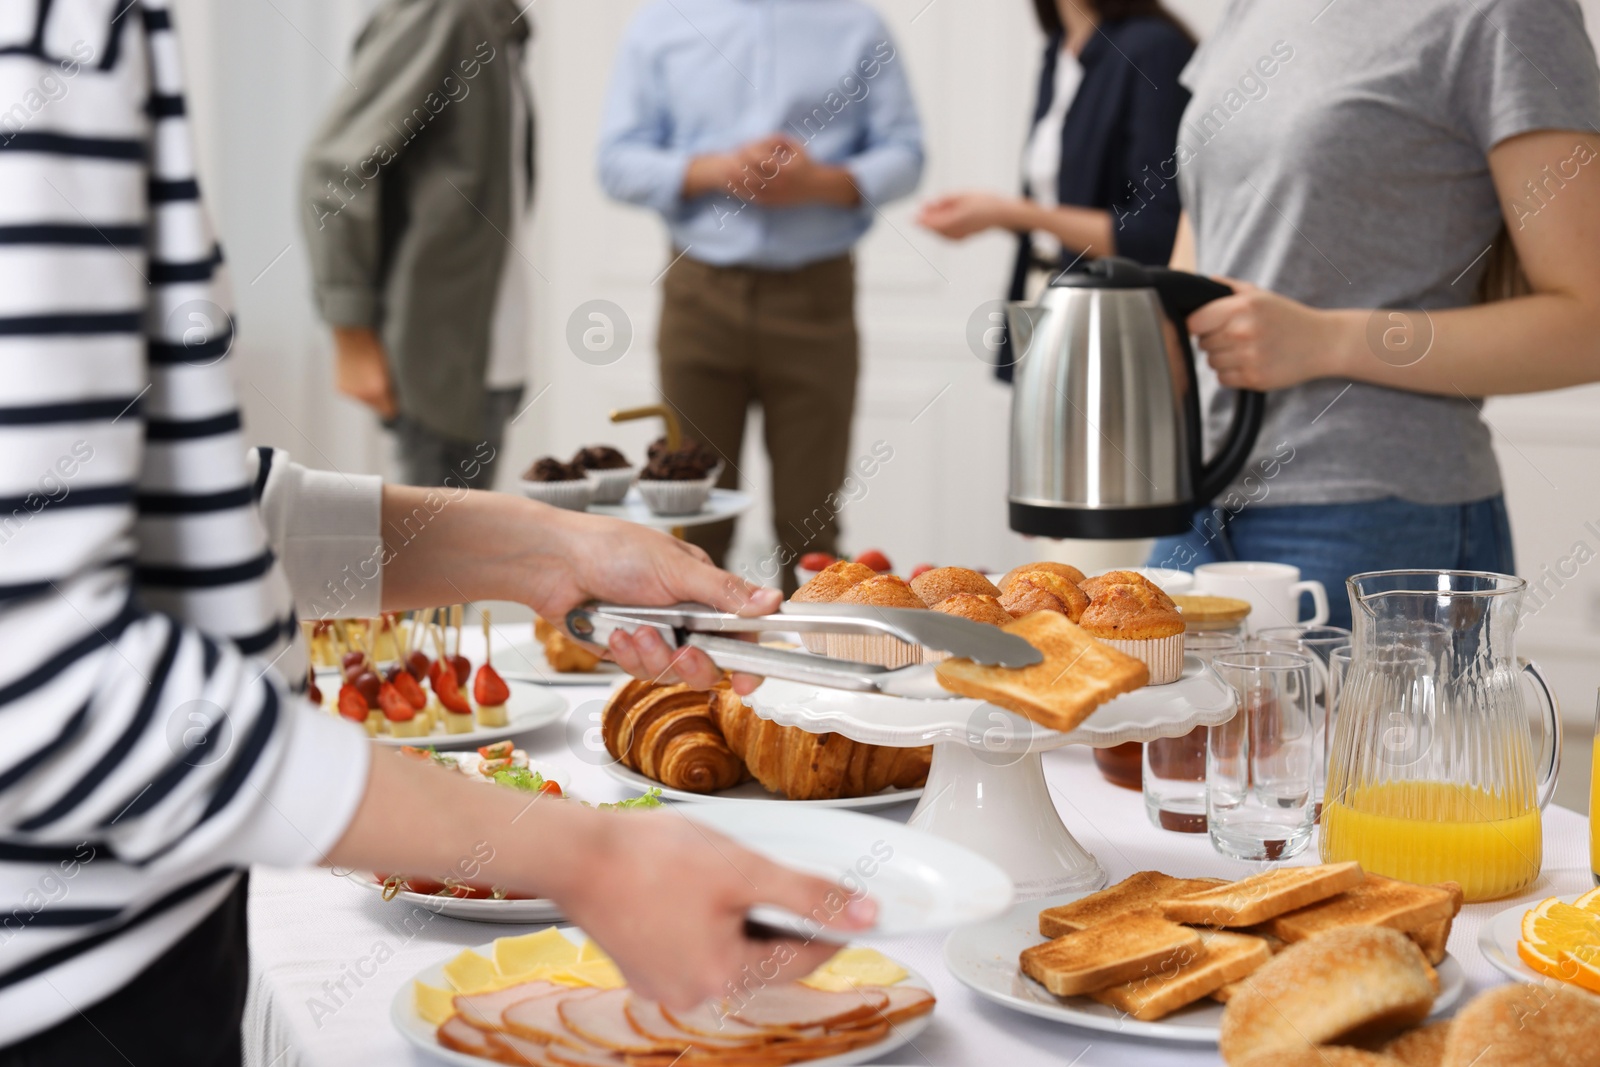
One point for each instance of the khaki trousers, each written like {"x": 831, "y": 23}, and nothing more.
{"x": 731, "y": 337}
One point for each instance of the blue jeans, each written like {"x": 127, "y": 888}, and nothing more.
{"x": 1330, "y": 542}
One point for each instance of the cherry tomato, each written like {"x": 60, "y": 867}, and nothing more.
{"x": 550, "y": 789}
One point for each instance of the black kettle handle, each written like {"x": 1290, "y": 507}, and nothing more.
{"x": 1182, "y": 294}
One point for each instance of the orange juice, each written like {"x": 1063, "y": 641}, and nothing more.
{"x": 1594, "y": 811}
{"x": 1434, "y": 832}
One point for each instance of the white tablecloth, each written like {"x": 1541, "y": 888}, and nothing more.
{"x": 327, "y": 956}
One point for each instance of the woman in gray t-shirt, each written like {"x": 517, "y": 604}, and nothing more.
{"x": 1362, "y": 168}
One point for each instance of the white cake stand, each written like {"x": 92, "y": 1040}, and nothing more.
{"x": 986, "y": 788}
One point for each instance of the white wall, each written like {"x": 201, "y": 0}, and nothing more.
{"x": 262, "y": 69}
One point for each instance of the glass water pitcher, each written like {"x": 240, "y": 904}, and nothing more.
{"x": 1432, "y": 771}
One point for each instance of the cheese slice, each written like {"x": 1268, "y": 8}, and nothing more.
{"x": 435, "y": 1005}
{"x": 472, "y": 973}
{"x": 591, "y": 951}
{"x": 601, "y": 974}
{"x": 517, "y": 958}
{"x": 853, "y": 967}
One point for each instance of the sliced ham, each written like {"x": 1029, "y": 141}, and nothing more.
{"x": 712, "y": 1020}
{"x": 791, "y": 1006}
{"x": 570, "y": 1056}
{"x": 483, "y": 1010}
{"x": 649, "y": 1019}
{"x": 520, "y": 1051}
{"x": 460, "y": 1036}
{"x": 539, "y": 1019}
{"x": 602, "y": 1021}
{"x": 906, "y": 1002}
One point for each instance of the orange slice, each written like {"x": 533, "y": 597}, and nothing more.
{"x": 1551, "y": 968}
{"x": 1583, "y": 967}
{"x": 1589, "y": 902}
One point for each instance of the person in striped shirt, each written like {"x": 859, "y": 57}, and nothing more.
{"x": 150, "y": 569}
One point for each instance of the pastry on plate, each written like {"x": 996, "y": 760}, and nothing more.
{"x": 1094, "y": 585}
{"x": 882, "y": 591}
{"x": 562, "y": 485}
{"x": 826, "y": 586}
{"x": 803, "y": 765}
{"x": 1523, "y": 1024}
{"x": 1349, "y": 984}
{"x": 678, "y": 482}
{"x": 1139, "y": 619}
{"x": 1030, "y": 591}
{"x": 609, "y": 469}
{"x": 1064, "y": 570}
{"x": 941, "y": 582}
{"x": 667, "y": 732}
{"x": 565, "y": 654}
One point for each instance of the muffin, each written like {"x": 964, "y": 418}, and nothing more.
{"x": 1065, "y": 570}
{"x": 1138, "y": 619}
{"x": 1033, "y": 591}
{"x": 677, "y": 482}
{"x": 941, "y": 582}
{"x": 610, "y": 469}
{"x": 562, "y": 485}
{"x": 826, "y": 586}
{"x": 1092, "y": 586}
{"x": 974, "y": 607}
{"x": 882, "y": 591}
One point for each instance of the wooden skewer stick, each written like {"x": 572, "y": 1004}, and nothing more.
{"x": 488, "y": 659}
{"x": 457, "y": 614}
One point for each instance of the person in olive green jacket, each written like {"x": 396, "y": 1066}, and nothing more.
{"x": 414, "y": 190}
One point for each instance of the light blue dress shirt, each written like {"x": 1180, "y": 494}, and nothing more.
{"x": 703, "y": 76}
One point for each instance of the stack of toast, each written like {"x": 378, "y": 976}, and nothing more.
{"x": 1154, "y": 943}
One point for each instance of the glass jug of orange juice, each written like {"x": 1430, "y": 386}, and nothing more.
{"x": 1431, "y": 771}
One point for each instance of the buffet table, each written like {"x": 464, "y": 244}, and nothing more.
{"x": 327, "y": 955}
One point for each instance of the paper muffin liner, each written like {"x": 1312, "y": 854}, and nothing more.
{"x": 872, "y": 648}
{"x": 675, "y": 498}
{"x": 1163, "y": 655}
{"x": 816, "y": 644}
{"x": 610, "y": 486}
{"x": 573, "y": 496}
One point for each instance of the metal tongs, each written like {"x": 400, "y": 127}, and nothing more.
{"x": 697, "y": 626}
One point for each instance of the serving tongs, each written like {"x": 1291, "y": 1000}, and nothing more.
{"x": 697, "y": 626}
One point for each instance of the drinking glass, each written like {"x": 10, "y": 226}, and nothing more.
{"x": 1175, "y": 767}
{"x": 1259, "y": 763}
{"x": 1594, "y": 800}
{"x": 1319, "y": 642}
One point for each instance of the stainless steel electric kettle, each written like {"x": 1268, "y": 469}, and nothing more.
{"x": 1105, "y": 418}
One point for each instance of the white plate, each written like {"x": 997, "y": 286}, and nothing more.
{"x": 526, "y": 662}
{"x": 920, "y": 882}
{"x": 482, "y": 911}
{"x": 755, "y": 791}
{"x": 723, "y": 504}
{"x": 1497, "y": 940}
{"x": 1198, "y": 698}
{"x": 403, "y": 1014}
{"x": 984, "y": 958}
{"x": 528, "y": 708}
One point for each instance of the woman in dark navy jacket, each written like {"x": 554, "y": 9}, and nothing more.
{"x": 1099, "y": 169}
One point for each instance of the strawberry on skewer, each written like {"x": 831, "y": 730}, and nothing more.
{"x": 489, "y": 689}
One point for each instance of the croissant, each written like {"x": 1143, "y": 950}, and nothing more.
{"x": 564, "y": 654}
{"x": 809, "y": 766}
{"x": 666, "y": 732}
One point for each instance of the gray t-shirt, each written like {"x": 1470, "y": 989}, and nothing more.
{"x": 1337, "y": 153}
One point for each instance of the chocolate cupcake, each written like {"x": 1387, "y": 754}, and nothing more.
{"x": 609, "y": 469}
{"x": 562, "y": 485}
{"x": 677, "y": 482}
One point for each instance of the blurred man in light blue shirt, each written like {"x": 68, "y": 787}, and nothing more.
{"x": 767, "y": 133}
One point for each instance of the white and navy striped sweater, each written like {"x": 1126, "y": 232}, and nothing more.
{"x": 147, "y": 751}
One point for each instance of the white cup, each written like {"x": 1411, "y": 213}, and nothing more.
{"x": 1272, "y": 589}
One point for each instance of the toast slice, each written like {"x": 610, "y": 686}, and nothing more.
{"x": 1109, "y": 954}
{"x": 1224, "y": 958}
{"x": 1434, "y": 938}
{"x": 1137, "y": 892}
{"x": 1077, "y": 674}
{"x": 1377, "y": 901}
{"x": 1263, "y": 896}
